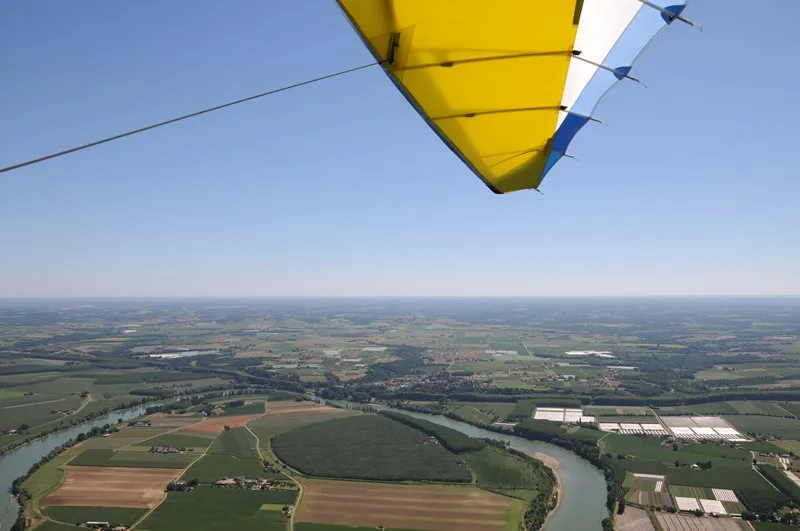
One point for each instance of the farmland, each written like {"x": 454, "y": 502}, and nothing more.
{"x": 266, "y": 427}
{"x": 78, "y": 514}
{"x": 111, "y": 487}
{"x": 437, "y": 508}
{"x": 216, "y": 509}
{"x": 213, "y": 467}
{"x": 111, "y": 458}
{"x": 237, "y": 442}
{"x": 679, "y": 522}
{"x": 478, "y": 360}
{"x": 367, "y": 447}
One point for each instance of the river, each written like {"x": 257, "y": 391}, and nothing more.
{"x": 584, "y": 489}
{"x": 583, "y": 504}
{"x": 16, "y": 463}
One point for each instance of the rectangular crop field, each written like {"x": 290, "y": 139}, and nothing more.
{"x": 217, "y": 509}
{"x": 213, "y": 467}
{"x": 237, "y": 442}
{"x": 178, "y": 440}
{"x": 111, "y": 487}
{"x": 80, "y": 514}
{"x": 691, "y": 492}
{"x": 256, "y": 408}
{"x": 266, "y": 427}
{"x": 110, "y": 458}
{"x": 435, "y": 508}
{"x": 785, "y": 428}
{"x": 790, "y": 446}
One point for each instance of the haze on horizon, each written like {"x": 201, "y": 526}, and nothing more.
{"x": 339, "y": 189}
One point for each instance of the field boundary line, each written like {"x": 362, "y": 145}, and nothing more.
{"x": 164, "y": 498}
{"x": 290, "y": 523}
{"x": 167, "y": 433}
{"x": 34, "y": 403}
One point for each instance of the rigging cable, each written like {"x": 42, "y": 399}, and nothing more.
{"x": 186, "y": 116}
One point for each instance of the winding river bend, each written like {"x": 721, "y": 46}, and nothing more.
{"x": 582, "y": 505}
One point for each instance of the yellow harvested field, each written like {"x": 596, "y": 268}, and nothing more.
{"x": 428, "y": 507}
{"x": 112, "y": 486}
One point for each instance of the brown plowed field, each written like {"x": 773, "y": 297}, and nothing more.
{"x": 217, "y": 424}
{"x": 291, "y": 409}
{"x": 112, "y": 486}
{"x": 435, "y": 508}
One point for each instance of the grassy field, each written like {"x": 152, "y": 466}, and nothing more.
{"x": 79, "y": 515}
{"x": 472, "y": 414}
{"x": 496, "y": 469}
{"x": 367, "y": 447}
{"x": 48, "y": 525}
{"x": 214, "y": 467}
{"x": 247, "y": 409}
{"x": 765, "y": 447}
{"x": 790, "y": 446}
{"x": 217, "y": 509}
{"x": 498, "y": 409}
{"x": 177, "y": 440}
{"x": 36, "y": 413}
{"x": 720, "y": 477}
{"x": 237, "y": 442}
{"x": 267, "y": 427}
{"x": 785, "y": 428}
{"x": 523, "y": 409}
{"x": 103, "y": 457}
{"x": 691, "y": 492}
{"x": 651, "y": 450}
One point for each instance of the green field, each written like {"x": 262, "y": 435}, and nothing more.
{"x": 765, "y": 447}
{"x": 784, "y": 428}
{"x": 790, "y": 446}
{"x": 651, "y": 450}
{"x": 523, "y": 409}
{"x": 720, "y": 477}
{"x": 367, "y": 447}
{"x": 178, "y": 440}
{"x": 473, "y": 415}
{"x": 101, "y": 457}
{"x": 237, "y": 442}
{"x": 495, "y": 409}
{"x": 691, "y": 492}
{"x": 219, "y": 509}
{"x": 213, "y": 467}
{"x": 79, "y": 515}
{"x": 266, "y": 427}
{"x": 36, "y": 413}
{"x": 48, "y": 525}
{"x": 496, "y": 469}
{"x": 247, "y": 409}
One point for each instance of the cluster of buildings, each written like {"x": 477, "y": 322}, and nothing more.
{"x": 242, "y": 482}
{"x": 168, "y": 450}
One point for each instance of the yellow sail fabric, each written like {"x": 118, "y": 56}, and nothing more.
{"x": 487, "y": 75}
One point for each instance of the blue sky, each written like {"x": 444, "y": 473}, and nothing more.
{"x": 340, "y": 188}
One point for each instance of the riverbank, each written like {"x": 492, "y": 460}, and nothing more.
{"x": 582, "y": 489}
{"x": 552, "y": 463}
